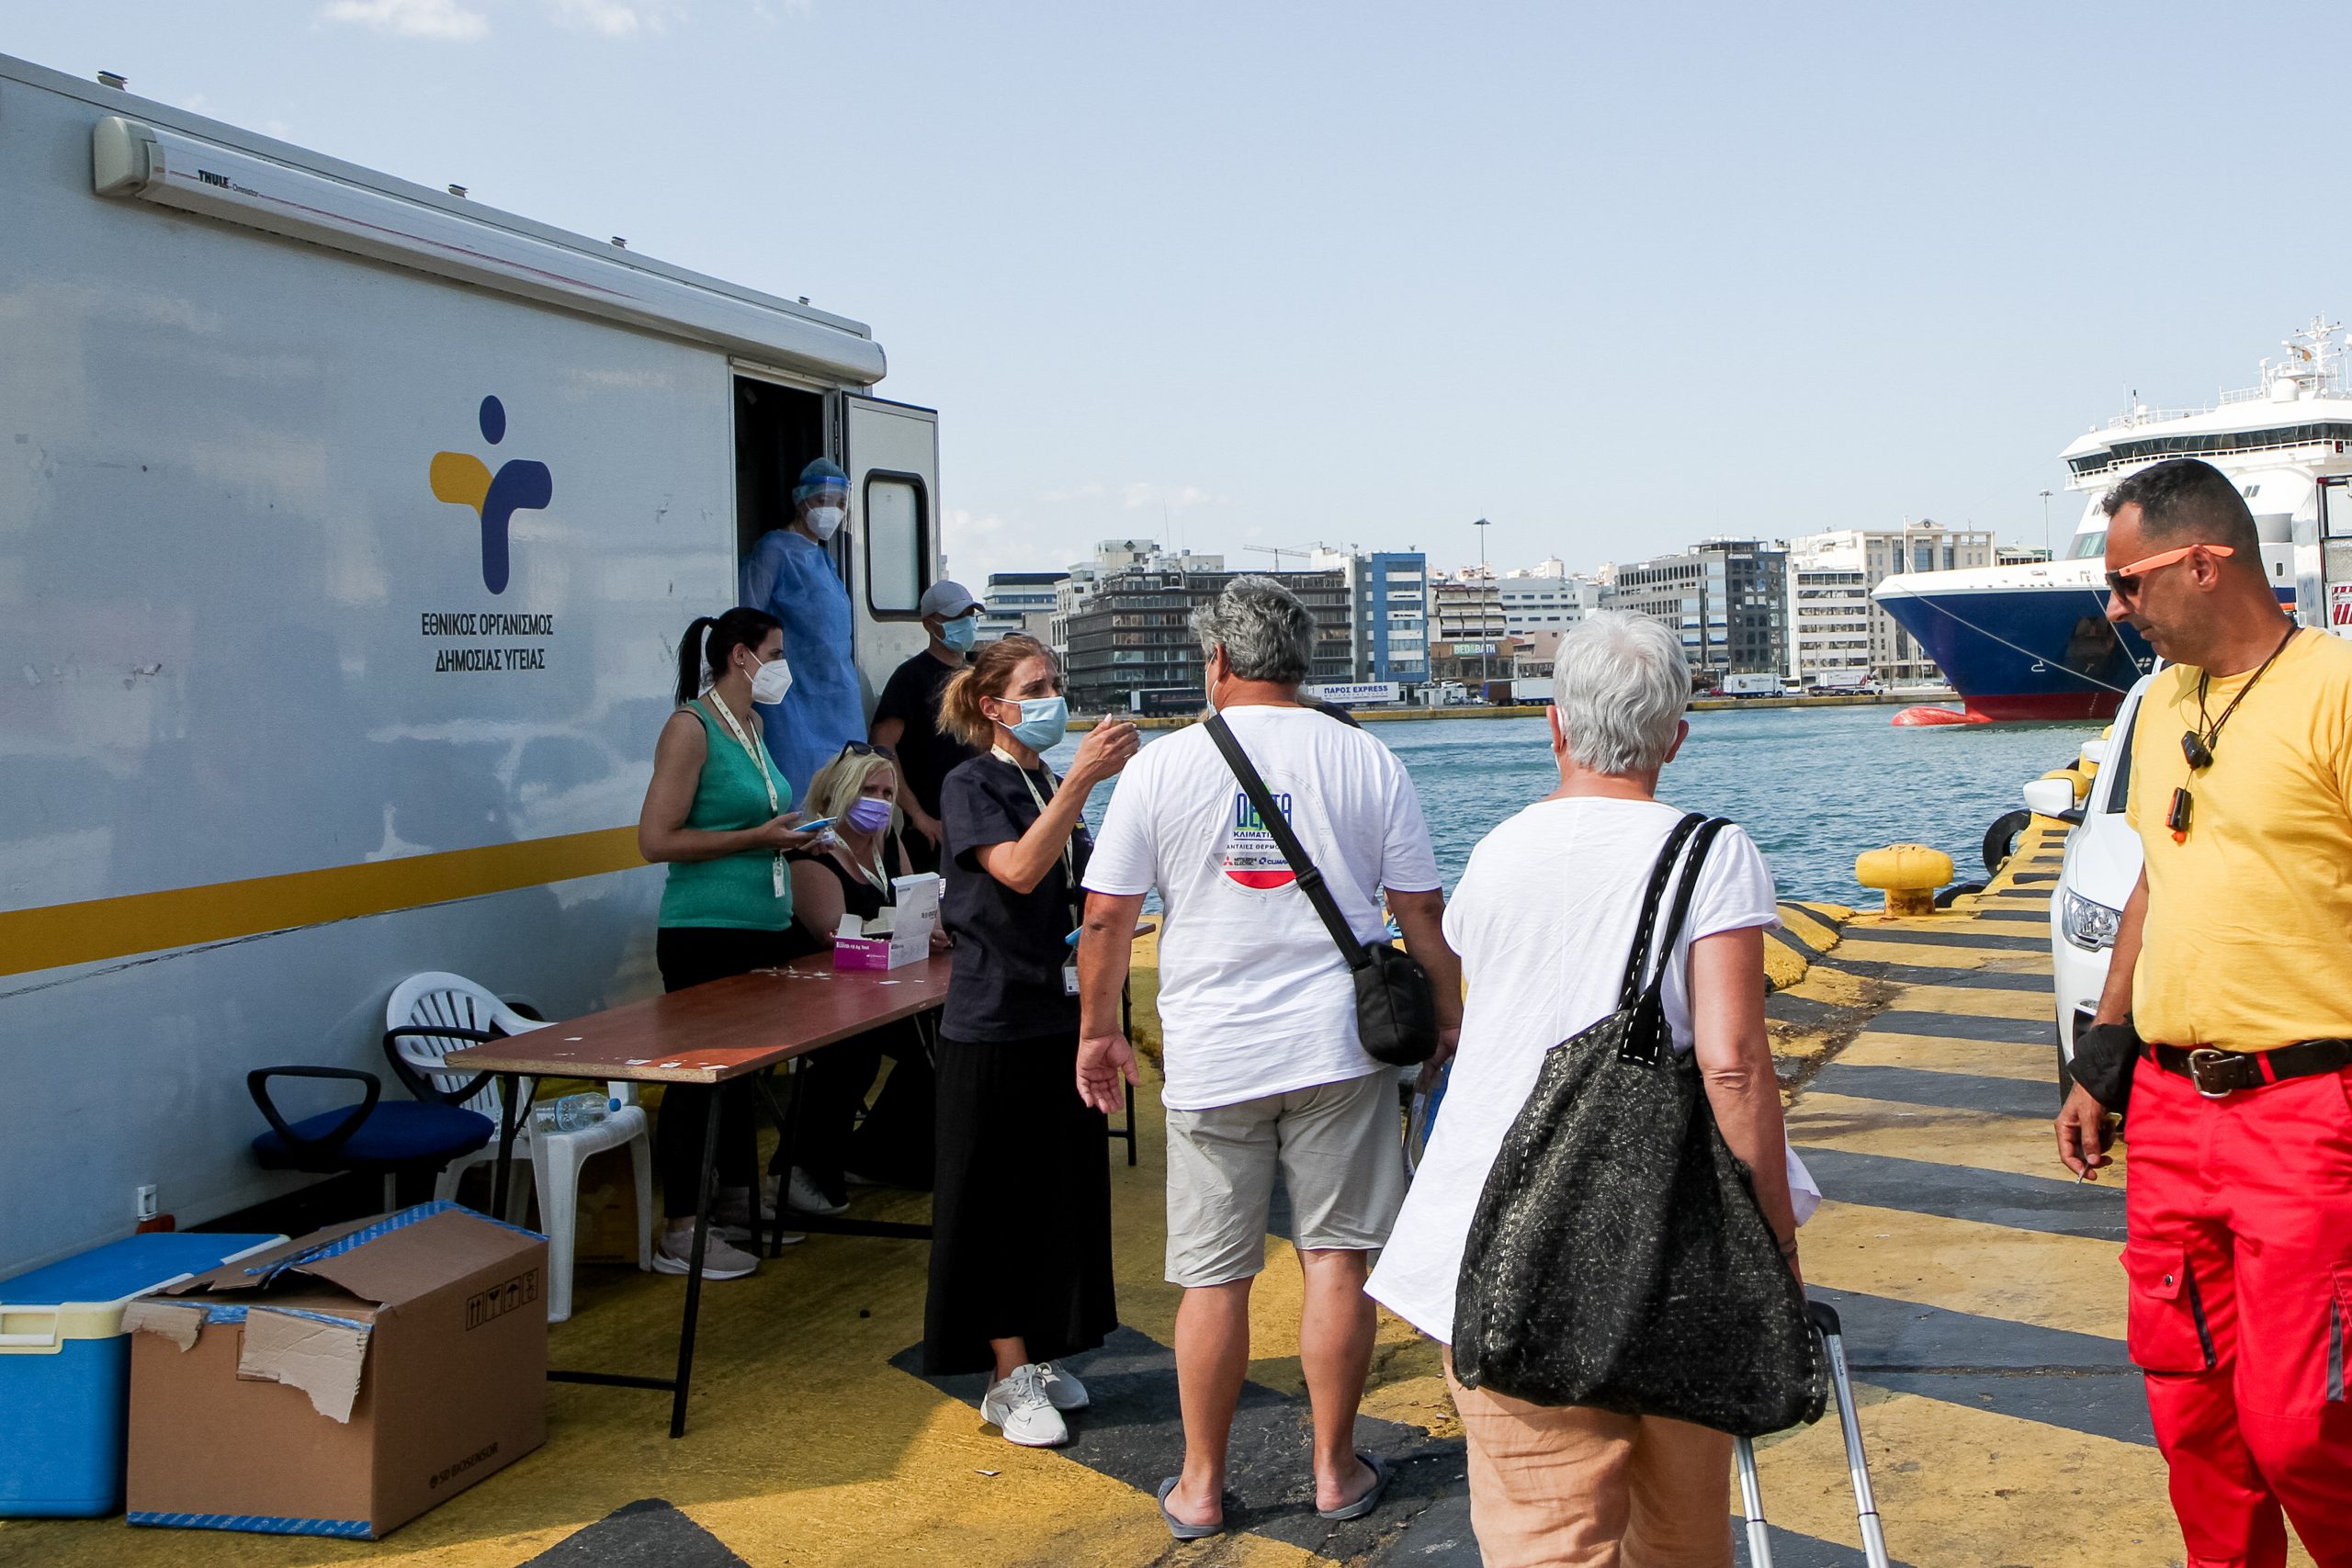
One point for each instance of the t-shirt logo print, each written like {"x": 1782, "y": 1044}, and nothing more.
{"x": 1251, "y": 857}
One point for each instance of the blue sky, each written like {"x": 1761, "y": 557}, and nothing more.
{"x": 1613, "y": 276}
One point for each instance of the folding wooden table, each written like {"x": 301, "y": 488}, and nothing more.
{"x": 709, "y": 1034}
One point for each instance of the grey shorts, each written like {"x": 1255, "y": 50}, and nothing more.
{"x": 1339, "y": 1148}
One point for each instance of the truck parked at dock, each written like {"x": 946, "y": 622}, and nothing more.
{"x": 349, "y": 532}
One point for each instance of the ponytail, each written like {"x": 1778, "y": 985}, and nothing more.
{"x": 703, "y": 651}
{"x": 988, "y": 675}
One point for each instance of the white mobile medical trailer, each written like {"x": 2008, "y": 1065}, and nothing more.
{"x": 347, "y": 531}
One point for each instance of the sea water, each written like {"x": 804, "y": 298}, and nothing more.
{"x": 1813, "y": 787}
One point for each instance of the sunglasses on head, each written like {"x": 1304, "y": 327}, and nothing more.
{"x": 863, "y": 749}
{"x": 2125, "y": 584}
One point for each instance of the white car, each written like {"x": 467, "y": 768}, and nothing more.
{"x": 2102, "y": 867}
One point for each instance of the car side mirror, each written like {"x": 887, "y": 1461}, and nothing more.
{"x": 2094, "y": 754}
{"x": 2052, "y": 798}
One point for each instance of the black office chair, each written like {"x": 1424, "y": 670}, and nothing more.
{"x": 404, "y": 1140}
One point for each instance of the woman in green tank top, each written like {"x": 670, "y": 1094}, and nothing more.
{"x": 717, "y": 812}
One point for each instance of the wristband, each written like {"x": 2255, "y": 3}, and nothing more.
{"x": 1788, "y": 1248}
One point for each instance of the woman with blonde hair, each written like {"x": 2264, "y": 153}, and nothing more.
{"x": 1020, "y": 1218}
{"x": 851, "y": 870}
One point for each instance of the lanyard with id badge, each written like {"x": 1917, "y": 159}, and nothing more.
{"x": 776, "y": 872}
{"x": 1069, "y": 853}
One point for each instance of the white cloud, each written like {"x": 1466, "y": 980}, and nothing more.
{"x": 1175, "y": 498}
{"x": 445, "y": 20}
{"x": 618, "y": 18}
{"x": 962, "y": 527}
{"x": 1092, "y": 490}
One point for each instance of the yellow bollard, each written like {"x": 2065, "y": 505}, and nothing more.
{"x": 1909, "y": 873}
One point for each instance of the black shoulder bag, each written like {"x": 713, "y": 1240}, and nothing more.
{"x": 1617, "y": 1257}
{"x": 1396, "y": 1005}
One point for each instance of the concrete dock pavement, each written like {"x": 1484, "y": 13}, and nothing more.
{"x": 1978, "y": 1283}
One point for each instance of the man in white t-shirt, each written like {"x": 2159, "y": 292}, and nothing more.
{"x": 1257, "y": 1006}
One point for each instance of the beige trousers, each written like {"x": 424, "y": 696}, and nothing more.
{"x": 1574, "y": 1487}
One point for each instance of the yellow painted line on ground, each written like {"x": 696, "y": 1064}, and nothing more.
{"x": 58, "y": 934}
{"x": 2052, "y": 1281}
{"x": 1818, "y": 933}
{"x": 2025, "y": 1063}
{"x": 1863, "y": 949}
{"x": 1838, "y": 988}
{"x": 1967, "y": 1488}
{"x": 1975, "y": 1139}
{"x": 1967, "y": 1001}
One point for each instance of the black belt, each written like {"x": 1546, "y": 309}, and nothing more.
{"x": 2218, "y": 1072}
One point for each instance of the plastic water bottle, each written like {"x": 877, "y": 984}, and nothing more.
{"x": 575, "y": 1111}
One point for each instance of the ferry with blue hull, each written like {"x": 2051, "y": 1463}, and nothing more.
{"x": 2032, "y": 642}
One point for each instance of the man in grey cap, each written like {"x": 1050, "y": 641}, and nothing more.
{"x": 905, "y": 721}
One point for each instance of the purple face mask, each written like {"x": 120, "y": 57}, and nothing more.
{"x": 868, "y": 815}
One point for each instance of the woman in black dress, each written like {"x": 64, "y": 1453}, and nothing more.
{"x": 1020, "y": 1223}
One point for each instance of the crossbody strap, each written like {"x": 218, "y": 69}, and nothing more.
{"x": 1310, "y": 880}
{"x": 1685, "y": 890}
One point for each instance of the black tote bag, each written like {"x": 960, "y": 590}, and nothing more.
{"x": 1617, "y": 1257}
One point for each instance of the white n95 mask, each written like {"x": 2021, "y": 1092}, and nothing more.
{"x": 826, "y": 520}
{"x": 774, "y": 679}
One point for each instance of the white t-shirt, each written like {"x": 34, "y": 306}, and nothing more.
{"x": 1542, "y": 920}
{"x": 1254, "y": 997}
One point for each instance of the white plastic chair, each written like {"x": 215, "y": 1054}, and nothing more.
{"x": 424, "y": 1004}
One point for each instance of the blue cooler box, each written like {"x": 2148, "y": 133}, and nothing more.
{"x": 65, "y": 1367}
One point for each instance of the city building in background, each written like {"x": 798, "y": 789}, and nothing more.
{"x": 1110, "y": 558}
{"x": 1834, "y": 622}
{"x": 1012, "y": 598}
{"x": 1389, "y": 611}
{"x": 1467, "y": 608}
{"x": 1545, "y": 601}
{"x": 1134, "y": 631}
{"x": 1727, "y": 598}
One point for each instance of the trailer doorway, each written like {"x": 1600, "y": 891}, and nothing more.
{"x": 779, "y": 430}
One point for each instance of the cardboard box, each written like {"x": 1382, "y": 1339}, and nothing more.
{"x": 343, "y": 1383}
{"x": 899, "y": 935}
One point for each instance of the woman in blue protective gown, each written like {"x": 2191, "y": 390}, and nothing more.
{"x": 790, "y": 574}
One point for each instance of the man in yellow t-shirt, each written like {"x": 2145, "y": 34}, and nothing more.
{"x": 2233, "y": 964}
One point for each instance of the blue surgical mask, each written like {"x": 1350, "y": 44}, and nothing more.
{"x": 1044, "y": 722}
{"x": 961, "y": 633}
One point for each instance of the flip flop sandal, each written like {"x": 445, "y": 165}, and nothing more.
{"x": 1371, "y": 1498}
{"x": 1177, "y": 1526}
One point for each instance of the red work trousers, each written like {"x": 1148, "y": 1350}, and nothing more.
{"x": 2239, "y": 1248}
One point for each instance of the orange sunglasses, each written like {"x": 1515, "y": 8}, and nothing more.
{"x": 2126, "y": 582}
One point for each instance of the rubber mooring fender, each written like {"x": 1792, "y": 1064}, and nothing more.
{"x": 1958, "y": 889}
{"x": 2001, "y": 838}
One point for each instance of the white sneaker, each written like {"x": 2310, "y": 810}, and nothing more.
{"x": 1062, "y": 1387}
{"x": 1019, "y": 1406}
{"x": 808, "y": 1198}
{"x": 674, "y": 1254}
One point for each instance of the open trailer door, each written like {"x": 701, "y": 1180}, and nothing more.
{"x": 890, "y": 452}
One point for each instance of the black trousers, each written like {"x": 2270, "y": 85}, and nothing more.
{"x": 690, "y": 956}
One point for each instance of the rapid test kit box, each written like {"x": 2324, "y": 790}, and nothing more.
{"x": 899, "y": 935}
{"x": 340, "y": 1385}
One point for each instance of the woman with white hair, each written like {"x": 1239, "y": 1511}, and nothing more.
{"x": 1542, "y": 920}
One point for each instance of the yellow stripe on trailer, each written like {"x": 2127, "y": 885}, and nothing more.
{"x": 53, "y": 936}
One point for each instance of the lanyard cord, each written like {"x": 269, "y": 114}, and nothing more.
{"x": 735, "y": 728}
{"x": 1069, "y": 852}
{"x": 2211, "y": 729}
